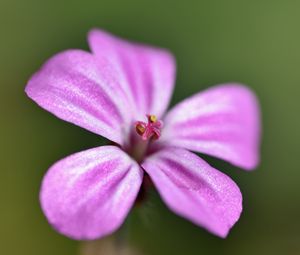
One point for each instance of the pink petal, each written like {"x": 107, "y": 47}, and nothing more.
{"x": 88, "y": 194}
{"x": 193, "y": 189}
{"x": 147, "y": 73}
{"x": 223, "y": 121}
{"x": 76, "y": 87}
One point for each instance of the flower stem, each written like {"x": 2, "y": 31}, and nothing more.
{"x": 116, "y": 244}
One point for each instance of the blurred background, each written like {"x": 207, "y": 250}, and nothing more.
{"x": 254, "y": 42}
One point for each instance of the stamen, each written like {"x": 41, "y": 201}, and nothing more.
{"x": 150, "y": 130}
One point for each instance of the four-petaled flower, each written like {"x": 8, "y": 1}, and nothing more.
{"x": 121, "y": 91}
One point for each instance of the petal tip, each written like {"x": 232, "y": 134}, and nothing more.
{"x": 88, "y": 195}
{"x": 200, "y": 193}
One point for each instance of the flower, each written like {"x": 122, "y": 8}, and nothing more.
{"x": 121, "y": 91}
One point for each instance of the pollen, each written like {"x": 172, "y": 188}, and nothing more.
{"x": 152, "y": 118}
{"x": 150, "y": 130}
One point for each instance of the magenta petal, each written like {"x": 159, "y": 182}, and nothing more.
{"x": 147, "y": 73}
{"x": 193, "y": 189}
{"x": 76, "y": 87}
{"x": 88, "y": 194}
{"x": 223, "y": 121}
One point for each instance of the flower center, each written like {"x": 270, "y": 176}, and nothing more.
{"x": 144, "y": 133}
{"x": 150, "y": 130}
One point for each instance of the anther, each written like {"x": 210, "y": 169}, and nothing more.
{"x": 152, "y": 118}
{"x": 150, "y": 130}
{"x": 140, "y": 128}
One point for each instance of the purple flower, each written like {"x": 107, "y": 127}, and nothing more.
{"x": 121, "y": 91}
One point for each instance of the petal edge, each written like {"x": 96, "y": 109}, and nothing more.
{"x": 88, "y": 195}
{"x": 77, "y": 88}
{"x": 148, "y": 73}
{"x": 194, "y": 190}
{"x": 223, "y": 121}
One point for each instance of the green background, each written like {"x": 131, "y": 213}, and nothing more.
{"x": 253, "y": 42}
